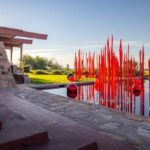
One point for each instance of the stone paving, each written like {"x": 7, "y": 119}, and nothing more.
{"x": 131, "y": 129}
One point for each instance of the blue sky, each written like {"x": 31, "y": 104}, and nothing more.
{"x": 74, "y": 24}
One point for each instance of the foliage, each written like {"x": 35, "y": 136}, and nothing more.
{"x": 41, "y": 72}
{"x": 67, "y": 71}
{"x": 26, "y": 68}
{"x": 57, "y": 72}
{"x": 40, "y": 63}
{"x": 32, "y": 71}
{"x": 28, "y": 60}
{"x": 53, "y": 65}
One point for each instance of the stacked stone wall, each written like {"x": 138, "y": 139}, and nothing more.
{"x": 6, "y": 77}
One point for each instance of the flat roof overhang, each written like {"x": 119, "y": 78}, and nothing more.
{"x": 12, "y": 32}
{"x": 12, "y": 37}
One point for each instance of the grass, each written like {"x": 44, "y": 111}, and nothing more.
{"x": 50, "y": 79}
{"x": 146, "y": 73}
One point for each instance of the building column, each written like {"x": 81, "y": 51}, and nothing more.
{"x": 11, "y": 54}
{"x": 21, "y": 53}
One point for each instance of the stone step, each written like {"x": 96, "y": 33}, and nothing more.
{"x": 91, "y": 146}
{"x": 20, "y": 128}
{"x": 25, "y": 122}
{"x": 21, "y": 143}
{"x": 0, "y": 125}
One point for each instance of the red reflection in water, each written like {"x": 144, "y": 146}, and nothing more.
{"x": 149, "y": 83}
{"x": 116, "y": 81}
{"x": 72, "y": 91}
{"x": 100, "y": 97}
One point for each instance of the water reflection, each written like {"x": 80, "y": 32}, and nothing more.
{"x": 122, "y": 97}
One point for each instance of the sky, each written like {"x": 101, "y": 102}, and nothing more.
{"x": 74, "y": 24}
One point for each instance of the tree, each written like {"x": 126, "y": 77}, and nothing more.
{"x": 40, "y": 63}
{"x": 50, "y": 63}
{"x": 56, "y": 66}
{"x": 28, "y": 60}
{"x": 36, "y": 63}
{"x": 67, "y": 66}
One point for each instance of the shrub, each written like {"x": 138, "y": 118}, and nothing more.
{"x": 65, "y": 72}
{"x": 57, "y": 72}
{"x": 26, "y": 68}
{"x": 32, "y": 71}
{"x": 49, "y": 69}
{"x": 40, "y": 72}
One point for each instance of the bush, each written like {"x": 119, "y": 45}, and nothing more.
{"x": 32, "y": 71}
{"x": 57, "y": 72}
{"x": 49, "y": 69}
{"x": 26, "y": 69}
{"x": 40, "y": 72}
{"x": 66, "y": 72}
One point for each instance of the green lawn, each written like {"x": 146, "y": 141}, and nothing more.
{"x": 49, "y": 79}
{"x": 146, "y": 73}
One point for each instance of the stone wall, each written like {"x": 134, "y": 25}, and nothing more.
{"x": 6, "y": 77}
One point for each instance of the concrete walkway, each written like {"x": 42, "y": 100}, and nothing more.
{"x": 22, "y": 119}
{"x": 119, "y": 126}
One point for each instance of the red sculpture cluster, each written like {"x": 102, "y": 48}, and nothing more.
{"x": 115, "y": 73}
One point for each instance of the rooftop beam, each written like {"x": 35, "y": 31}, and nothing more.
{"x": 8, "y": 46}
{"x": 16, "y": 41}
{"x": 16, "y": 32}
